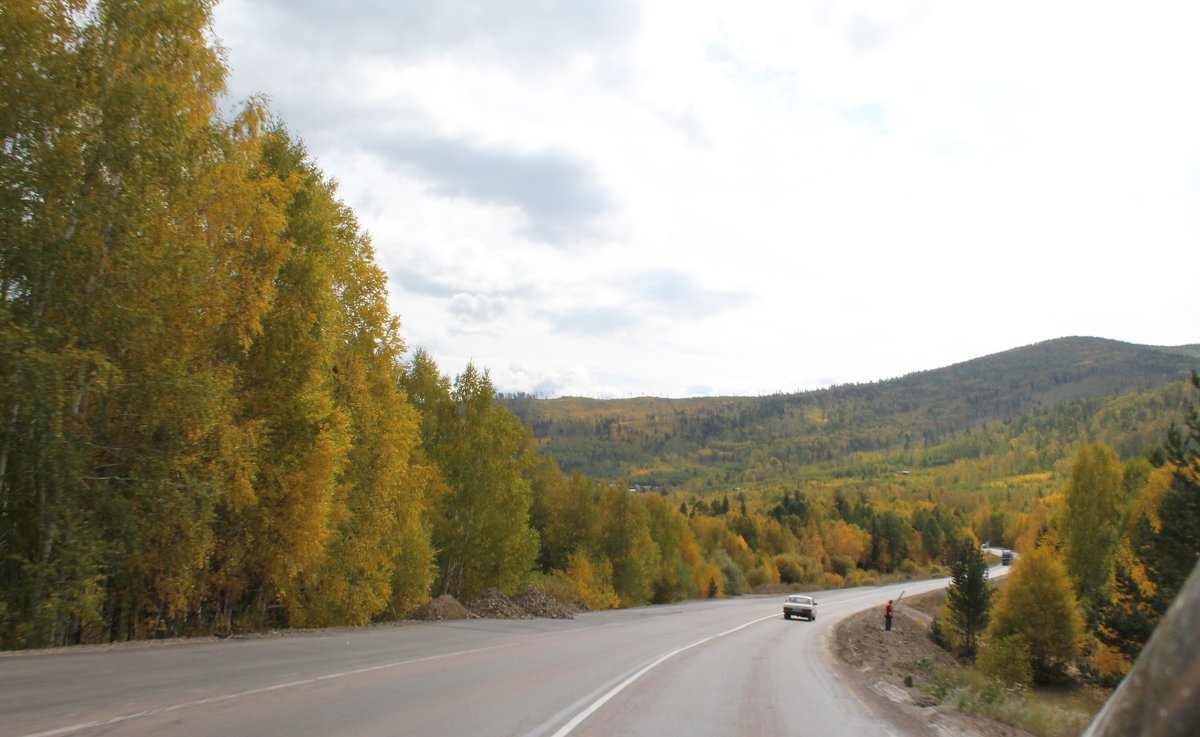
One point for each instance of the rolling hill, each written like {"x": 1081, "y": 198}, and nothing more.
{"x": 1073, "y": 388}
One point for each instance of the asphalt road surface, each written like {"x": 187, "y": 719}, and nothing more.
{"x": 700, "y": 669}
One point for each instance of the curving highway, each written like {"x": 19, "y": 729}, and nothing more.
{"x": 698, "y": 669}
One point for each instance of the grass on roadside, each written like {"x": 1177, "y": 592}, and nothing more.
{"x": 1041, "y": 712}
{"x": 1061, "y": 711}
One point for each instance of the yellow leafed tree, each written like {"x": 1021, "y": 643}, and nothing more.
{"x": 1038, "y": 602}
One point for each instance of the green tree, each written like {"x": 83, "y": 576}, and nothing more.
{"x": 1038, "y": 602}
{"x": 481, "y": 527}
{"x": 564, "y": 513}
{"x": 890, "y": 538}
{"x": 120, "y": 333}
{"x": 1091, "y": 521}
{"x": 992, "y": 529}
{"x": 1127, "y": 620}
{"x": 969, "y": 597}
{"x": 378, "y": 556}
{"x": 289, "y": 387}
{"x": 679, "y": 559}
{"x": 627, "y": 544}
{"x": 1170, "y": 553}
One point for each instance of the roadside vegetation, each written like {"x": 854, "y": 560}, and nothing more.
{"x": 210, "y": 422}
{"x": 955, "y": 684}
{"x": 1064, "y": 711}
{"x": 1065, "y": 626}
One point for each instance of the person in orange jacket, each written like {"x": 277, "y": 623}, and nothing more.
{"x": 887, "y": 615}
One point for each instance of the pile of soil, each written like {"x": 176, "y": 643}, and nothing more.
{"x": 883, "y": 657}
{"x": 540, "y": 604}
{"x": 443, "y": 607}
{"x": 881, "y": 664}
{"x": 493, "y": 604}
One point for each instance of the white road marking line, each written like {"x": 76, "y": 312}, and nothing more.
{"x": 265, "y": 689}
{"x": 595, "y": 705}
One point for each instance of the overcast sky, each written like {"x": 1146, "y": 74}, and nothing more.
{"x": 618, "y": 198}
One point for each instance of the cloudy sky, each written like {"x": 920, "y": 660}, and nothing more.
{"x": 619, "y": 198}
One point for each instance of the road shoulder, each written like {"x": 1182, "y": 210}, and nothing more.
{"x": 889, "y": 669}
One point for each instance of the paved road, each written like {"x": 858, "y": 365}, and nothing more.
{"x": 700, "y": 669}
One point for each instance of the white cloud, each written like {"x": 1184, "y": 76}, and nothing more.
{"x": 663, "y": 198}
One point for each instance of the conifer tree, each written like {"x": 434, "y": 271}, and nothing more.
{"x": 969, "y": 596}
{"x": 1171, "y": 552}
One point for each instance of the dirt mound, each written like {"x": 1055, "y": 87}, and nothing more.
{"x": 493, "y": 604}
{"x": 443, "y": 607}
{"x": 907, "y": 650}
{"x": 540, "y": 604}
{"x": 890, "y": 668}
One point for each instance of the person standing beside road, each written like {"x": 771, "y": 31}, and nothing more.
{"x": 887, "y": 615}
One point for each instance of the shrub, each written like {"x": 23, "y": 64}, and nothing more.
{"x": 1107, "y": 666}
{"x": 841, "y": 565}
{"x": 788, "y": 565}
{"x": 810, "y": 569}
{"x": 831, "y": 581}
{"x": 947, "y": 637}
{"x": 1007, "y": 659}
{"x": 591, "y": 581}
{"x": 859, "y": 577}
{"x": 558, "y": 587}
{"x": 759, "y": 576}
{"x": 796, "y": 568}
{"x": 735, "y": 578}
{"x": 939, "y": 634}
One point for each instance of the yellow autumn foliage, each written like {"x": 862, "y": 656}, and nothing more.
{"x": 591, "y": 582}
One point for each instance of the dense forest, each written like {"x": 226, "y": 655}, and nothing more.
{"x": 210, "y": 422}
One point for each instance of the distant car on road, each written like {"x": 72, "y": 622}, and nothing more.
{"x": 1006, "y": 558}
{"x": 802, "y": 607}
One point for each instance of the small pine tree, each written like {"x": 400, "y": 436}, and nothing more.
{"x": 969, "y": 598}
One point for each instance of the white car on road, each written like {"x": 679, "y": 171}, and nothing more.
{"x": 800, "y": 606}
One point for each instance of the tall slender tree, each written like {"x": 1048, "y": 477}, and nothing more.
{"x": 1091, "y": 521}
{"x": 118, "y": 236}
{"x": 969, "y": 597}
{"x": 481, "y": 527}
{"x": 199, "y": 409}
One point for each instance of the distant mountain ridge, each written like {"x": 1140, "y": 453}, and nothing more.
{"x": 1052, "y": 371}
{"x": 712, "y": 437}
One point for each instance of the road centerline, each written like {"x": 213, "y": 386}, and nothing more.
{"x": 608, "y": 696}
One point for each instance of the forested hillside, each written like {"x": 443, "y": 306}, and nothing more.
{"x": 1049, "y": 395}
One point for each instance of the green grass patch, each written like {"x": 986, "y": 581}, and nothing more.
{"x": 1045, "y": 712}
